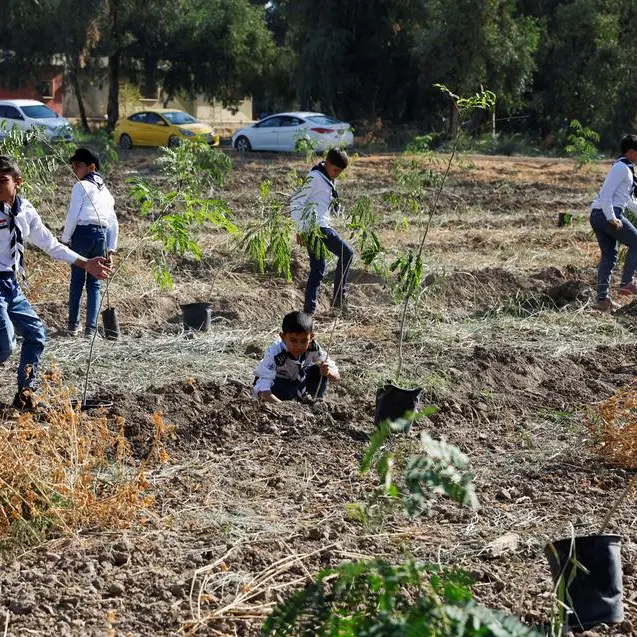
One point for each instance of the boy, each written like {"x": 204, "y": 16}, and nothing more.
{"x": 311, "y": 206}
{"x": 91, "y": 229}
{"x": 611, "y": 227}
{"x": 294, "y": 367}
{"x": 20, "y": 222}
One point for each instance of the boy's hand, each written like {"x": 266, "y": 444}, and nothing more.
{"x": 110, "y": 259}
{"x": 616, "y": 223}
{"x": 332, "y": 374}
{"x": 268, "y": 397}
{"x": 97, "y": 267}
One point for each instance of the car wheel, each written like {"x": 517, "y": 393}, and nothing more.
{"x": 173, "y": 141}
{"x": 125, "y": 141}
{"x": 243, "y": 144}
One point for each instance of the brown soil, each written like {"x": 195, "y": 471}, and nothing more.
{"x": 503, "y": 341}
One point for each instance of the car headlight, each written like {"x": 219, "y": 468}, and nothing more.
{"x": 187, "y": 133}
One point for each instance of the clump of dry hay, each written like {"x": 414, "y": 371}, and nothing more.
{"x": 614, "y": 427}
{"x": 62, "y": 470}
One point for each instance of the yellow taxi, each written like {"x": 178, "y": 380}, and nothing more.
{"x": 162, "y": 127}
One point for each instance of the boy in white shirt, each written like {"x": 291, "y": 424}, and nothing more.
{"x": 312, "y": 205}
{"x": 91, "y": 229}
{"x": 19, "y": 222}
{"x": 294, "y": 367}
{"x": 611, "y": 226}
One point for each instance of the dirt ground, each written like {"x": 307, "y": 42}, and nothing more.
{"x": 255, "y": 499}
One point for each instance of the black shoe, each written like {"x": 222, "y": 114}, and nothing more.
{"x": 25, "y": 400}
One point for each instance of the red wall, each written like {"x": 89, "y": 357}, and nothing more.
{"x": 31, "y": 90}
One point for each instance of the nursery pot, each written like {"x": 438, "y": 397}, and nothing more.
{"x": 92, "y": 403}
{"x": 394, "y": 402}
{"x": 110, "y": 322}
{"x": 197, "y": 316}
{"x": 564, "y": 219}
{"x": 596, "y": 596}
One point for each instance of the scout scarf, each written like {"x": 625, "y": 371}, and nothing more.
{"x": 15, "y": 238}
{"x": 631, "y": 167}
{"x": 95, "y": 178}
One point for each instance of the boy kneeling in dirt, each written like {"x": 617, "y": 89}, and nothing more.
{"x": 19, "y": 221}
{"x": 294, "y": 367}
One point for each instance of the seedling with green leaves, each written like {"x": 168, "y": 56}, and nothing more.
{"x": 582, "y": 144}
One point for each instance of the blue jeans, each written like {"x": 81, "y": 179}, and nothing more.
{"x": 315, "y": 385}
{"x": 87, "y": 241}
{"x": 17, "y": 316}
{"x": 345, "y": 254}
{"x": 609, "y": 239}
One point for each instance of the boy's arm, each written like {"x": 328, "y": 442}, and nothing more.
{"x": 74, "y": 212}
{"x": 327, "y": 365}
{"x": 42, "y": 237}
{"x": 265, "y": 371}
{"x": 113, "y": 234}
{"x": 616, "y": 175}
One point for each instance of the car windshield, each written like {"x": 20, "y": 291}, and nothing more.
{"x": 179, "y": 117}
{"x": 323, "y": 119}
{"x": 38, "y": 111}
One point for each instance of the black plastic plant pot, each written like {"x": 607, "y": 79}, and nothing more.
{"x": 196, "y": 316}
{"x": 111, "y": 324}
{"x": 595, "y": 596}
{"x": 92, "y": 403}
{"x": 394, "y": 402}
{"x": 564, "y": 219}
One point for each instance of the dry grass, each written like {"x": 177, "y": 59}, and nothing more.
{"x": 614, "y": 425}
{"x": 62, "y": 471}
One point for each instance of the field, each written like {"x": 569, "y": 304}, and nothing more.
{"x": 254, "y": 500}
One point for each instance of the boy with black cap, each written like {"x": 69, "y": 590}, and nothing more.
{"x": 19, "y": 222}
{"x": 92, "y": 230}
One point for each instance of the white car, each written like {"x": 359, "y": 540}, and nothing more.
{"x": 288, "y": 131}
{"x": 30, "y": 114}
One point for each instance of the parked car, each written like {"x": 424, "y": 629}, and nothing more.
{"x": 288, "y": 131}
{"x": 162, "y": 127}
{"x": 30, "y": 114}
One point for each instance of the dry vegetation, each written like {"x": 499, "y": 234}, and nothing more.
{"x": 254, "y": 500}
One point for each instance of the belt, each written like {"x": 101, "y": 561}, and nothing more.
{"x": 91, "y": 225}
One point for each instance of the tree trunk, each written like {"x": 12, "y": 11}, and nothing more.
{"x": 77, "y": 89}
{"x": 112, "y": 109}
{"x": 454, "y": 120}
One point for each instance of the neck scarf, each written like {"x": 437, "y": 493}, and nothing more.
{"x": 95, "y": 178}
{"x": 15, "y": 237}
{"x": 631, "y": 167}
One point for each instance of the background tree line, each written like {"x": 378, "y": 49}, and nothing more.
{"x": 548, "y": 61}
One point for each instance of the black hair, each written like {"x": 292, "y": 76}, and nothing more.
{"x": 297, "y": 322}
{"x": 337, "y": 157}
{"x": 628, "y": 142}
{"x": 9, "y": 165}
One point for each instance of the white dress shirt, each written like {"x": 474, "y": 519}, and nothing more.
{"x": 616, "y": 191}
{"x": 34, "y": 231}
{"x": 312, "y": 203}
{"x": 91, "y": 205}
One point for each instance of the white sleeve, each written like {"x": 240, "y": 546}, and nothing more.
{"x": 113, "y": 226}
{"x": 41, "y": 236}
{"x": 265, "y": 371}
{"x": 73, "y": 215}
{"x": 616, "y": 175}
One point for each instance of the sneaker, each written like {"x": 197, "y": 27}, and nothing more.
{"x": 89, "y": 333}
{"x": 627, "y": 288}
{"x": 25, "y": 400}
{"x": 605, "y": 305}
{"x": 73, "y": 331}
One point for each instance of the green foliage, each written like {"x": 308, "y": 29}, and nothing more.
{"x": 582, "y": 144}
{"x": 374, "y": 598}
{"x": 421, "y": 144}
{"x": 361, "y": 221}
{"x": 194, "y": 166}
{"x": 306, "y": 147}
{"x": 175, "y": 216}
{"x": 411, "y": 175}
{"x": 408, "y": 270}
{"x": 37, "y": 158}
{"x": 269, "y": 235}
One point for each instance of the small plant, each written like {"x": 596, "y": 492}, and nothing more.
{"x": 582, "y": 144}
{"x": 421, "y": 144}
{"x": 268, "y": 237}
{"x": 194, "y": 167}
{"x": 306, "y": 147}
{"x": 175, "y": 215}
{"x": 361, "y": 221}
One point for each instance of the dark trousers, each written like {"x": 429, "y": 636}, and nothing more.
{"x": 315, "y": 385}
{"x": 609, "y": 239}
{"x": 87, "y": 241}
{"x": 342, "y": 250}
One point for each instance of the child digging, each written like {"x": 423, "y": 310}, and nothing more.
{"x": 19, "y": 222}
{"x": 91, "y": 230}
{"x": 294, "y": 367}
